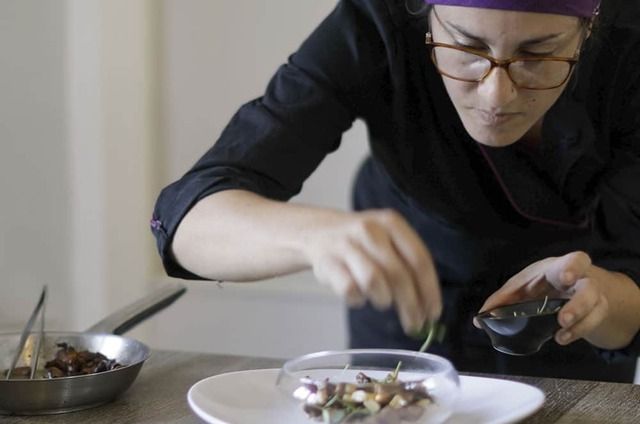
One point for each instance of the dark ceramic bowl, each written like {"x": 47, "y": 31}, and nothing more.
{"x": 522, "y": 328}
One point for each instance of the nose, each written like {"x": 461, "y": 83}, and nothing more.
{"x": 497, "y": 89}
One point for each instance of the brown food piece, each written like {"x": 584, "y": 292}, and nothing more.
{"x": 69, "y": 362}
{"x": 376, "y": 402}
{"x": 18, "y": 372}
{"x": 362, "y": 378}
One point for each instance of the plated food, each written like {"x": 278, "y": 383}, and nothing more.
{"x": 376, "y": 386}
{"x": 367, "y": 400}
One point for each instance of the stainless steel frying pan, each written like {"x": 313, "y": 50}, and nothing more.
{"x": 65, "y": 394}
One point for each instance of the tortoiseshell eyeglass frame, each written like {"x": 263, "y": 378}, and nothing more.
{"x": 499, "y": 63}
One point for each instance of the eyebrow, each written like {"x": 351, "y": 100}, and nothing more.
{"x": 531, "y": 41}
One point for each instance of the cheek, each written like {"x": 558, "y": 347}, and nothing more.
{"x": 532, "y": 105}
{"x": 541, "y": 102}
{"x": 457, "y": 90}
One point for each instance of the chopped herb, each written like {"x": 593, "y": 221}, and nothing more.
{"x": 392, "y": 377}
{"x": 541, "y": 309}
{"x": 435, "y": 332}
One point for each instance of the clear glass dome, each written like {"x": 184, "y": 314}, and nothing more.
{"x": 371, "y": 386}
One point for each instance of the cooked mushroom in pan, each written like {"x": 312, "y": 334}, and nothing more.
{"x": 69, "y": 362}
{"x": 18, "y": 372}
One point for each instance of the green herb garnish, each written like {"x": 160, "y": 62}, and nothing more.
{"x": 541, "y": 309}
{"x": 392, "y": 377}
{"x": 431, "y": 331}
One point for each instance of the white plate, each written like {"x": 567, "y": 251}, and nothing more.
{"x": 250, "y": 397}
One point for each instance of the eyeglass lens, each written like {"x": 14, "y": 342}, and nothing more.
{"x": 525, "y": 73}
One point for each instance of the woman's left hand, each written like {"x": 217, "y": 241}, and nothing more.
{"x": 603, "y": 307}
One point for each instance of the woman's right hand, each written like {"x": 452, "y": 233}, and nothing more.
{"x": 376, "y": 256}
{"x": 372, "y": 255}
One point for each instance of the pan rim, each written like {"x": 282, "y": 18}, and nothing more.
{"x": 146, "y": 349}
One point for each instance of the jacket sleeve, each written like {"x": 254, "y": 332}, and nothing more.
{"x": 273, "y": 143}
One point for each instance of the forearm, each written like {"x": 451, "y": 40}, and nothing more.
{"x": 623, "y": 299}
{"x": 236, "y": 235}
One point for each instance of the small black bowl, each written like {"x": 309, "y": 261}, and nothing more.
{"x": 522, "y": 328}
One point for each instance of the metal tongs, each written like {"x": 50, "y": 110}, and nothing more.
{"x": 26, "y": 331}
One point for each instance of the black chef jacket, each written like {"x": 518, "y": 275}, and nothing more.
{"x": 485, "y": 213}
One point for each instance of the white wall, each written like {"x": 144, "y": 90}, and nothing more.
{"x": 77, "y": 117}
{"x": 34, "y": 196}
{"x": 112, "y": 50}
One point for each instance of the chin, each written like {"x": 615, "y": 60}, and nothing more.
{"x": 494, "y": 136}
{"x": 492, "y": 140}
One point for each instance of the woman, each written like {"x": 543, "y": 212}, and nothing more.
{"x": 503, "y": 158}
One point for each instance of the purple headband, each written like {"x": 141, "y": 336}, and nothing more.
{"x": 581, "y": 8}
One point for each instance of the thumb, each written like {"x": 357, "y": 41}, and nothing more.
{"x": 513, "y": 293}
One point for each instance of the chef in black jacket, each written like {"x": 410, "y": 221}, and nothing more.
{"x": 504, "y": 166}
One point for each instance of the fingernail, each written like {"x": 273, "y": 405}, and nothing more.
{"x": 420, "y": 320}
{"x": 569, "y": 318}
{"x": 414, "y": 328}
{"x": 435, "y": 312}
{"x": 410, "y": 324}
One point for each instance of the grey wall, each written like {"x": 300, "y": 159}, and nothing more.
{"x": 77, "y": 114}
{"x": 33, "y": 160}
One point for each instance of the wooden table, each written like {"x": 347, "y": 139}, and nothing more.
{"x": 159, "y": 395}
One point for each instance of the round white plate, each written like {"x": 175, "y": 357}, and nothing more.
{"x": 250, "y": 397}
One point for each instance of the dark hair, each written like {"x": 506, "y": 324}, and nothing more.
{"x": 417, "y": 8}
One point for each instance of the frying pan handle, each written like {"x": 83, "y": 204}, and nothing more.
{"x": 128, "y": 317}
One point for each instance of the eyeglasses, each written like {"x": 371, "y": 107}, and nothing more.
{"x": 469, "y": 65}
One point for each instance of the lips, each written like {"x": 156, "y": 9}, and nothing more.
{"x": 495, "y": 118}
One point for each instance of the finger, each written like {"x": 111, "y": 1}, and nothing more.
{"x": 420, "y": 265}
{"x": 429, "y": 285}
{"x": 379, "y": 240}
{"x": 529, "y": 276}
{"x": 584, "y": 326}
{"x": 581, "y": 304}
{"x": 405, "y": 296}
{"x": 406, "y": 302}
{"x": 398, "y": 275}
{"x": 513, "y": 293}
{"x": 537, "y": 288}
{"x": 354, "y": 297}
{"x": 527, "y": 284}
{"x": 369, "y": 276}
{"x": 565, "y": 270}
{"x": 335, "y": 274}
{"x": 541, "y": 288}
